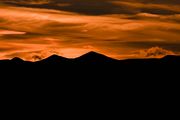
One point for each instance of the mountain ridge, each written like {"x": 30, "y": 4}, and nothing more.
{"x": 91, "y": 57}
{"x": 91, "y": 66}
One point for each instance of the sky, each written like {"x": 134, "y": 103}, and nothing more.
{"x": 122, "y": 29}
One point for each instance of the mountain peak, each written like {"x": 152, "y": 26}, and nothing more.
{"x": 54, "y": 58}
{"x": 17, "y": 59}
{"x": 94, "y": 57}
{"x": 92, "y": 53}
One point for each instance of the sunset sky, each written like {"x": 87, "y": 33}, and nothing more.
{"x": 118, "y": 28}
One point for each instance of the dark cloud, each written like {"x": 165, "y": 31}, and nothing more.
{"x": 5, "y": 49}
{"x": 37, "y": 58}
{"x": 80, "y": 6}
{"x": 100, "y": 7}
{"x": 159, "y": 11}
{"x": 160, "y": 1}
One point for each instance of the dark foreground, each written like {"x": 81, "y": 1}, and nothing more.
{"x": 92, "y": 78}
{"x": 90, "y": 65}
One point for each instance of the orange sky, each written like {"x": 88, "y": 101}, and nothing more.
{"x": 118, "y": 28}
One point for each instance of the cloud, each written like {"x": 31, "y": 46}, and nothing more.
{"x": 8, "y": 32}
{"x": 29, "y": 2}
{"x": 36, "y": 58}
{"x": 154, "y": 52}
{"x": 102, "y": 7}
{"x": 150, "y": 7}
{"x": 113, "y": 27}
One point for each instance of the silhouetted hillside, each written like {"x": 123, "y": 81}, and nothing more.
{"x": 93, "y": 64}
{"x": 54, "y": 59}
{"x": 92, "y": 71}
{"x": 93, "y": 58}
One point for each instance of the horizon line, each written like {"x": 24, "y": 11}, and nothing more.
{"x": 97, "y": 53}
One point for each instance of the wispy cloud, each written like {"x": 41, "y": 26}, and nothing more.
{"x": 42, "y": 28}
{"x": 8, "y": 32}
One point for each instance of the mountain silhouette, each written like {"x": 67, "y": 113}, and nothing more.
{"x": 93, "y": 62}
{"x": 94, "y": 58}
{"x": 92, "y": 69}
{"x": 54, "y": 59}
{"x": 171, "y": 58}
{"x": 17, "y": 60}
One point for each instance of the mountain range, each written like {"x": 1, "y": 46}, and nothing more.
{"x": 92, "y": 69}
{"x": 93, "y": 58}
